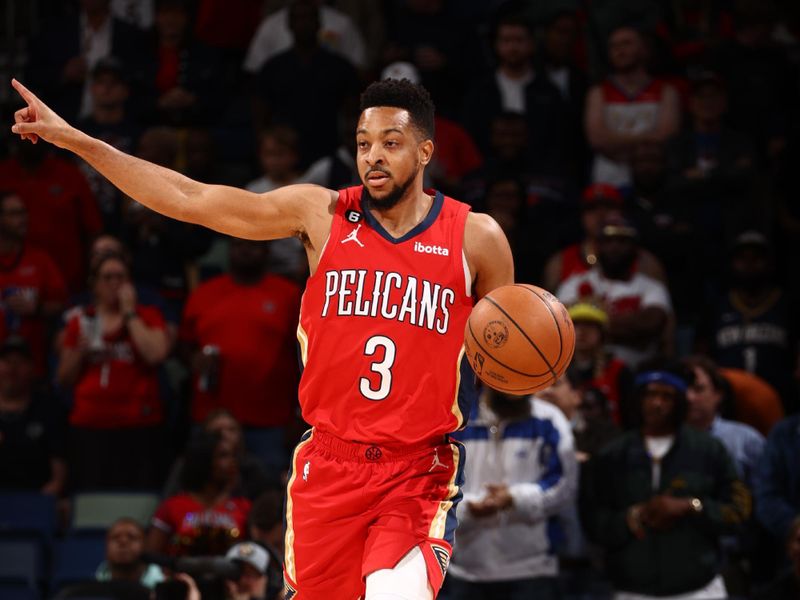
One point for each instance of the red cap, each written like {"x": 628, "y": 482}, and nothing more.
{"x": 601, "y": 192}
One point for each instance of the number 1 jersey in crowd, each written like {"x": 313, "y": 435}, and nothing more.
{"x": 382, "y": 327}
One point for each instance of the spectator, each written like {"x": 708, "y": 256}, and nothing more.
{"x": 658, "y": 499}
{"x": 279, "y": 155}
{"x": 706, "y": 393}
{"x": 111, "y": 122}
{"x": 239, "y": 333}
{"x": 594, "y": 428}
{"x": 337, "y": 33}
{"x": 521, "y": 472}
{"x": 787, "y": 585}
{"x": 628, "y": 108}
{"x": 569, "y": 398}
{"x": 162, "y": 248}
{"x": 146, "y": 294}
{"x": 31, "y": 426}
{"x": 288, "y": 86}
{"x": 62, "y": 212}
{"x": 777, "y": 489}
{"x": 188, "y": 72}
{"x": 252, "y": 582}
{"x": 752, "y": 327}
{"x": 505, "y": 202}
{"x": 435, "y": 36}
{"x": 759, "y": 77}
{"x": 598, "y": 203}
{"x": 560, "y": 38}
{"x": 205, "y": 518}
{"x": 31, "y": 285}
{"x": 637, "y": 305}
{"x": 109, "y": 354}
{"x": 593, "y": 366}
{"x": 338, "y": 170}
{"x": 124, "y": 562}
{"x": 252, "y": 479}
{"x": 68, "y": 49}
{"x": 514, "y": 86}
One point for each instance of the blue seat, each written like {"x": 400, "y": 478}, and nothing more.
{"x": 75, "y": 560}
{"x": 21, "y": 562}
{"x": 27, "y": 512}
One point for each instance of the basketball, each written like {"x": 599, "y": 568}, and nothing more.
{"x": 519, "y": 339}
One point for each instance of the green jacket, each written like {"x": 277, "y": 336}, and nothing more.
{"x": 684, "y": 558}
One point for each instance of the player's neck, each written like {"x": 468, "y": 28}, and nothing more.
{"x": 409, "y": 212}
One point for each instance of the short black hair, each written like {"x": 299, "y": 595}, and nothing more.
{"x": 402, "y": 93}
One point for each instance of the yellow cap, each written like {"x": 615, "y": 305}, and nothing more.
{"x": 583, "y": 311}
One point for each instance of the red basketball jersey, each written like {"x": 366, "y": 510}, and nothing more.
{"x": 382, "y": 327}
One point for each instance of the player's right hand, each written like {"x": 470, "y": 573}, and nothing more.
{"x": 37, "y": 120}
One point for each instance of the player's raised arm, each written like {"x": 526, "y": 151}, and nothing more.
{"x": 488, "y": 254}
{"x": 282, "y": 213}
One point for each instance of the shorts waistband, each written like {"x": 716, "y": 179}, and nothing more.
{"x": 370, "y": 453}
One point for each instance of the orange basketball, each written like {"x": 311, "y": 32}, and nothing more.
{"x": 519, "y": 339}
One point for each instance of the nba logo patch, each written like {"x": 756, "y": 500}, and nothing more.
{"x": 442, "y": 557}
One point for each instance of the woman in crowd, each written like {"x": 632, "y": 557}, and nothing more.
{"x": 110, "y": 352}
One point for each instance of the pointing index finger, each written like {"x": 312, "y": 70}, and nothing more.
{"x": 26, "y": 94}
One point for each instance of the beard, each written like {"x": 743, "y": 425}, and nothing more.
{"x": 393, "y": 196}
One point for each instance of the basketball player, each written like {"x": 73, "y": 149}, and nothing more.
{"x": 395, "y": 270}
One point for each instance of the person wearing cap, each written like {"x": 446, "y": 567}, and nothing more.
{"x": 752, "y": 327}
{"x": 658, "y": 498}
{"x": 31, "y": 426}
{"x": 252, "y": 582}
{"x": 593, "y": 366}
{"x": 599, "y": 201}
{"x": 638, "y": 306}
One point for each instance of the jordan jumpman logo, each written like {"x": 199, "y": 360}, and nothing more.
{"x": 353, "y": 236}
{"x": 436, "y": 461}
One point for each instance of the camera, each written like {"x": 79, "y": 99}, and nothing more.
{"x": 209, "y": 572}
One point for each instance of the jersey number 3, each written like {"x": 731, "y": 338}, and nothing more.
{"x": 381, "y": 367}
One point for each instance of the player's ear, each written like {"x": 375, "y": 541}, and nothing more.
{"x": 425, "y": 149}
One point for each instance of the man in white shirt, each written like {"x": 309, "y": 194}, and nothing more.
{"x": 337, "y": 33}
{"x": 521, "y": 472}
{"x": 638, "y": 305}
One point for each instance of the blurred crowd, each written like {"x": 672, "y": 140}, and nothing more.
{"x": 638, "y": 155}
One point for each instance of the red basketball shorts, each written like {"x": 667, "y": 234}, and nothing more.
{"x": 352, "y": 509}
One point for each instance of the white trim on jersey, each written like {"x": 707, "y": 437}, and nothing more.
{"x": 467, "y": 274}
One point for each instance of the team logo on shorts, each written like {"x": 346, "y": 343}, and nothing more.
{"x": 442, "y": 557}
{"x": 495, "y": 334}
{"x": 373, "y": 453}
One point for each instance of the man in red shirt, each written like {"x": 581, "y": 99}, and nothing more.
{"x": 63, "y": 214}
{"x": 31, "y": 285}
{"x": 240, "y": 332}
